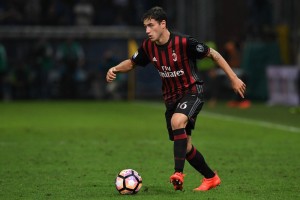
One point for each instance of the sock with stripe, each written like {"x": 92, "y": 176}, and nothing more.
{"x": 196, "y": 159}
{"x": 180, "y": 144}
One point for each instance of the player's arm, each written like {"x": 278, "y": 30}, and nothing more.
{"x": 237, "y": 84}
{"x": 122, "y": 67}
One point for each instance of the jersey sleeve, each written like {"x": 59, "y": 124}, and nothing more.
{"x": 197, "y": 49}
{"x": 140, "y": 57}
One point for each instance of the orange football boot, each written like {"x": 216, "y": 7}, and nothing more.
{"x": 244, "y": 104}
{"x": 209, "y": 183}
{"x": 177, "y": 180}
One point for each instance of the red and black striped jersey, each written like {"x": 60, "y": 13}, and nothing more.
{"x": 175, "y": 62}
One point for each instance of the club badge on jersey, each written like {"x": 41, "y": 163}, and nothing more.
{"x": 200, "y": 48}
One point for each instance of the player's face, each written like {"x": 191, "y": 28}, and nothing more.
{"x": 154, "y": 29}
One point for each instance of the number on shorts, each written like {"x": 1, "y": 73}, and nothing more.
{"x": 182, "y": 105}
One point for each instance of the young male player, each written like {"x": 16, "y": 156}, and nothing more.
{"x": 174, "y": 56}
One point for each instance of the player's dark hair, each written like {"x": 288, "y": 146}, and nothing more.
{"x": 156, "y": 13}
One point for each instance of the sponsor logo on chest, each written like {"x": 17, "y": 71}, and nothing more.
{"x": 167, "y": 72}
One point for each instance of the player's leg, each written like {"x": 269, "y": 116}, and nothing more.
{"x": 183, "y": 112}
{"x": 196, "y": 160}
{"x": 178, "y": 123}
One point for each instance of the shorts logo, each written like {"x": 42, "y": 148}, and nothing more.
{"x": 200, "y": 48}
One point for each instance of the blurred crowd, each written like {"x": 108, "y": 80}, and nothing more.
{"x": 47, "y": 70}
{"x": 60, "y": 69}
{"x": 73, "y": 12}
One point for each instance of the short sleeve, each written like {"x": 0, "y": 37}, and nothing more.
{"x": 197, "y": 49}
{"x": 140, "y": 57}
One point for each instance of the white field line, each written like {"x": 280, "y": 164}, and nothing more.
{"x": 251, "y": 122}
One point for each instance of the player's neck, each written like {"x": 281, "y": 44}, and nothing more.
{"x": 164, "y": 38}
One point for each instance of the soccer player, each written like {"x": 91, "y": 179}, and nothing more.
{"x": 174, "y": 56}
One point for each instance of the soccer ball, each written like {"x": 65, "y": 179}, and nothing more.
{"x": 128, "y": 181}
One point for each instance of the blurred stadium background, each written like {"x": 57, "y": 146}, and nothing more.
{"x": 61, "y": 49}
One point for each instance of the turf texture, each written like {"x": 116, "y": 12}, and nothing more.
{"x": 74, "y": 150}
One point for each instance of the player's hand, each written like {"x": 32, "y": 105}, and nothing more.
{"x": 239, "y": 87}
{"x": 111, "y": 75}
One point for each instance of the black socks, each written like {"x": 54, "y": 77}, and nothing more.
{"x": 180, "y": 144}
{"x": 196, "y": 159}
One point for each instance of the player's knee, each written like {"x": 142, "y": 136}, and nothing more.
{"x": 178, "y": 122}
{"x": 176, "y": 125}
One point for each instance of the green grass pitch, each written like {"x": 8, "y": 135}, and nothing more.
{"x": 74, "y": 150}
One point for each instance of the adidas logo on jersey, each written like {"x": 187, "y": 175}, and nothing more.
{"x": 154, "y": 59}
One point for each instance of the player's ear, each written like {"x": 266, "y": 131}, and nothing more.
{"x": 163, "y": 23}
